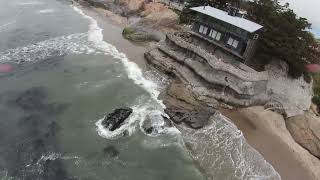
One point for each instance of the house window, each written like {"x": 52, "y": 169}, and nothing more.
{"x": 215, "y": 34}
{"x": 203, "y": 29}
{"x": 232, "y": 42}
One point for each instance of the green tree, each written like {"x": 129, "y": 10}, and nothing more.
{"x": 285, "y": 37}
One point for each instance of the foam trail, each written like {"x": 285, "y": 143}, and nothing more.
{"x": 74, "y": 43}
{"x": 46, "y": 11}
{"x": 6, "y": 25}
{"x": 31, "y": 3}
{"x": 134, "y": 72}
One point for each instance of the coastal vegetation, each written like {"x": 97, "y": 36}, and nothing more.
{"x": 285, "y": 37}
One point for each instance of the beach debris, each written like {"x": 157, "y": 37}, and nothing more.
{"x": 115, "y": 119}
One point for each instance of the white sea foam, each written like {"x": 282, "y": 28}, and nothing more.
{"x": 28, "y": 3}
{"x": 74, "y": 43}
{"x": 46, "y": 11}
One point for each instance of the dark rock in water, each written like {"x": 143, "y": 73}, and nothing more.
{"x": 32, "y": 120}
{"x": 55, "y": 108}
{"x": 111, "y": 152}
{"x": 53, "y": 128}
{"x": 114, "y": 120}
{"x": 149, "y": 130}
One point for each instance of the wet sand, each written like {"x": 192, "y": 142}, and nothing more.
{"x": 282, "y": 158}
{"x": 112, "y": 33}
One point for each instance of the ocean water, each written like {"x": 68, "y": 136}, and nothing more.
{"x": 65, "y": 77}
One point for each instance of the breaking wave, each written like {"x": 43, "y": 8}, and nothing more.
{"x": 222, "y": 151}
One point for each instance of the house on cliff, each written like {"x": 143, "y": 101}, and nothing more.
{"x": 228, "y": 31}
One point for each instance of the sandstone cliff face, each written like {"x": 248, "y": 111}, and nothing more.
{"x": 132, "y": 5}
{"x": 305, "y": 129}
{"x": 208, "y": 77}
{"x": 162, "y": 17}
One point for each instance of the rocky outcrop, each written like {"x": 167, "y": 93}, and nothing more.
{"x": 159, "y": 17}
{"x": 115, "y": 119}
{"x": 305, "y": 129}
{"x": 294, "y": 94}
{"x": 195, "y": 119}
{"x": 182, "y": 108}
{"x": 153, "y": 18}
{"x": 208, "y": 77}
{"x": 140, "y": 34}
{"x": 194, "y": 60}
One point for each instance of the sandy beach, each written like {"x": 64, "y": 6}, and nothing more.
{"x": 277, "y": 153}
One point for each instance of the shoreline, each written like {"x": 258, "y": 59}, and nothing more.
{"x": 270, "y": 137}
{"x": 284, "y": 162}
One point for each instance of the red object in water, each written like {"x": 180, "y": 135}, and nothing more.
{"x": 314, "y": 68}
{"x": 4, "y": 68}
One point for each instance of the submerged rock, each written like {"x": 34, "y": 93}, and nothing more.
{"x": 35, "y": 99}
{"x": 114, "y": 120}
{"x": 32, "y": 99}
{"x": 111, "y": 152}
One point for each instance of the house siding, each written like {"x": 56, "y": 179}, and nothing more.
{"x": 246, "y": 44}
